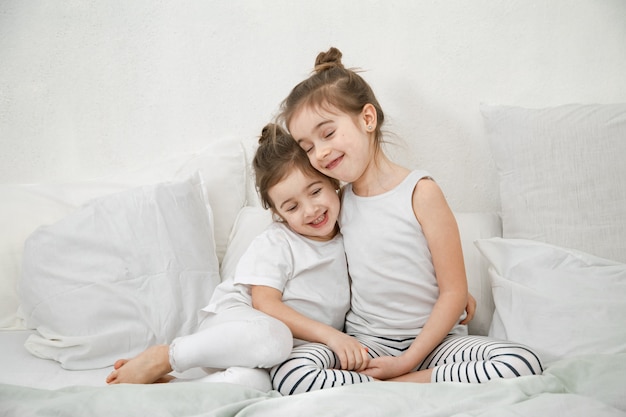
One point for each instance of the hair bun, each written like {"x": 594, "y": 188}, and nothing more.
{"x": 270, "y": 132}
{"x": 327, "y": 60}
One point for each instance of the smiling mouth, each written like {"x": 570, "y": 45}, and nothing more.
{"x": 320, "y": 220}
{"x": 334, "y": 163}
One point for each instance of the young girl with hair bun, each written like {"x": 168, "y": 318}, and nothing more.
{"x": 290, "y": 286}
{"x": 408, "y": 284}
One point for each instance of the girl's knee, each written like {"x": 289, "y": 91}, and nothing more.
{"x": 522, "y": 361}
{"x": 277, "y": 343}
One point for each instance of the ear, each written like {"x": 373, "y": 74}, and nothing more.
{"x": 277, "y": 217}
{"x": 369, "y": 117}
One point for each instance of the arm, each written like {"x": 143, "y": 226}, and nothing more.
{"x": 352, "y": 355}
{"x": 441, "y": 232}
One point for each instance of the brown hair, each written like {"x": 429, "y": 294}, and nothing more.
{"x": 331, "y": 84}
{"x": 278, "y": 153}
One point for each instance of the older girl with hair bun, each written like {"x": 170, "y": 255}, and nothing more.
{"x": 408, "y": 285}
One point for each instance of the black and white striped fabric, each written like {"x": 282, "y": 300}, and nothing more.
{"x": 480, "y": 359}
{"x": 472, "y": 359}
{"x": 310, "y": 367}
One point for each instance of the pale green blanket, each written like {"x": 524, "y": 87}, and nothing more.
{"x": 585, "y": 386}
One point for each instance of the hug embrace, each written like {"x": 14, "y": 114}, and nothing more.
{"x": 327, "y": 297}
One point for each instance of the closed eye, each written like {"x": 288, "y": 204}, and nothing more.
{"x": 306, "y": 146}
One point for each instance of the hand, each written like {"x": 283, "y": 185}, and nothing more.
{"x": 386, "y": 367}
{"x": 470, "y": 308}
{"x": 352, "y": 355}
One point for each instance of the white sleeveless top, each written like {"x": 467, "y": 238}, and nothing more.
{"x": 393, "y": 286}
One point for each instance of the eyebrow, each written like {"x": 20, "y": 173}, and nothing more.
{"x": 317, "y": 127}
{"x": 313, "y": 183}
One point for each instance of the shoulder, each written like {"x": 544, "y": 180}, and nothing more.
{"x": 270, "y": 250}
{"x": 428, "y": 200}
{"x": 274, "y": 236}
{"x": 426, "y": 187}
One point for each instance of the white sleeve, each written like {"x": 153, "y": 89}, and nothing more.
{"x": 267, "y": 261}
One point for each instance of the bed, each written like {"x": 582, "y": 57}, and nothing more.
{"x": 97, "y": 270}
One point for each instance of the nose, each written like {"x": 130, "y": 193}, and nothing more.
{"x": 322, "y": 150}
{"x": 310, "y": 209}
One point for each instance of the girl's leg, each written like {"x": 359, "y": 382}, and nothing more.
{"x": 309, "y": 367}
{"x": 479, "y": 359}
{"x": 149, "y": 366}
{"x": 257, "y": 378}
{"x": 235, "y": 337}
{"x": 239, "y": 336}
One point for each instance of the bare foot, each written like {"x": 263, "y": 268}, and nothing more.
{"x": 118, "y": 363}
{"x": 151, "y": 365}
{"x": 165, "y": 379}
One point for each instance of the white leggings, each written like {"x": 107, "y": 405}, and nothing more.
{"x": 239, "y": 337}
{"x": 456, "y": 359}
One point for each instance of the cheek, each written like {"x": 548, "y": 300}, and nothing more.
{"x": 314, "y": 162}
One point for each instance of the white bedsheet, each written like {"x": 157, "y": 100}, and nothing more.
{"x": 19, "y": 367}
{"x": 583, "y": 386}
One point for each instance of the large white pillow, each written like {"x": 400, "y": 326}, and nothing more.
{"x": 122, "y": 273}
{"x": 23, "y": 208}
{"x": 558, "y": 301}
{"x": 562, "y": 174}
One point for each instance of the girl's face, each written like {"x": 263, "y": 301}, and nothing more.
{"x": 337, "y": 143}
{"x": 309, "y": 204}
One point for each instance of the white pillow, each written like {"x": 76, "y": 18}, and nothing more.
{"x": 124, "y": 272}
{"x": 560, "y": 302}
{"x": 23, "y": 208}
{"x": 251, "y": 221}
{"x": 562, "y": 174}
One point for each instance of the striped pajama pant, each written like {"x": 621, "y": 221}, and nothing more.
{"x": 458, "y": 359}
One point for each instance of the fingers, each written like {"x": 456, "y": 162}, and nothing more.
{"x": 354, "y": 359}
{"x": 365, "y": 359}
{"x": 361, "y": 359}
{"x": 372, "y": 372}
{"x": 470, "y": 309}
{"x": 343, "y": 359}
{"x": 346, "y": 359}
{"x": 468, "y": 318}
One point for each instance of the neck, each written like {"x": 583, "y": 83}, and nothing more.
{"x": 379, "y": 177}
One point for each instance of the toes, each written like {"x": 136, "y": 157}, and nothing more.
{"x": 119, "y": 363}
{"x": 112, "y": 378}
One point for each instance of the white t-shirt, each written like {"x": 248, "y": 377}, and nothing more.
{"x": 394, "y": 287}
{"x": 312, "y": 275}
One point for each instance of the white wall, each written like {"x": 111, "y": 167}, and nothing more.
{"x": 93, "y": 87}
